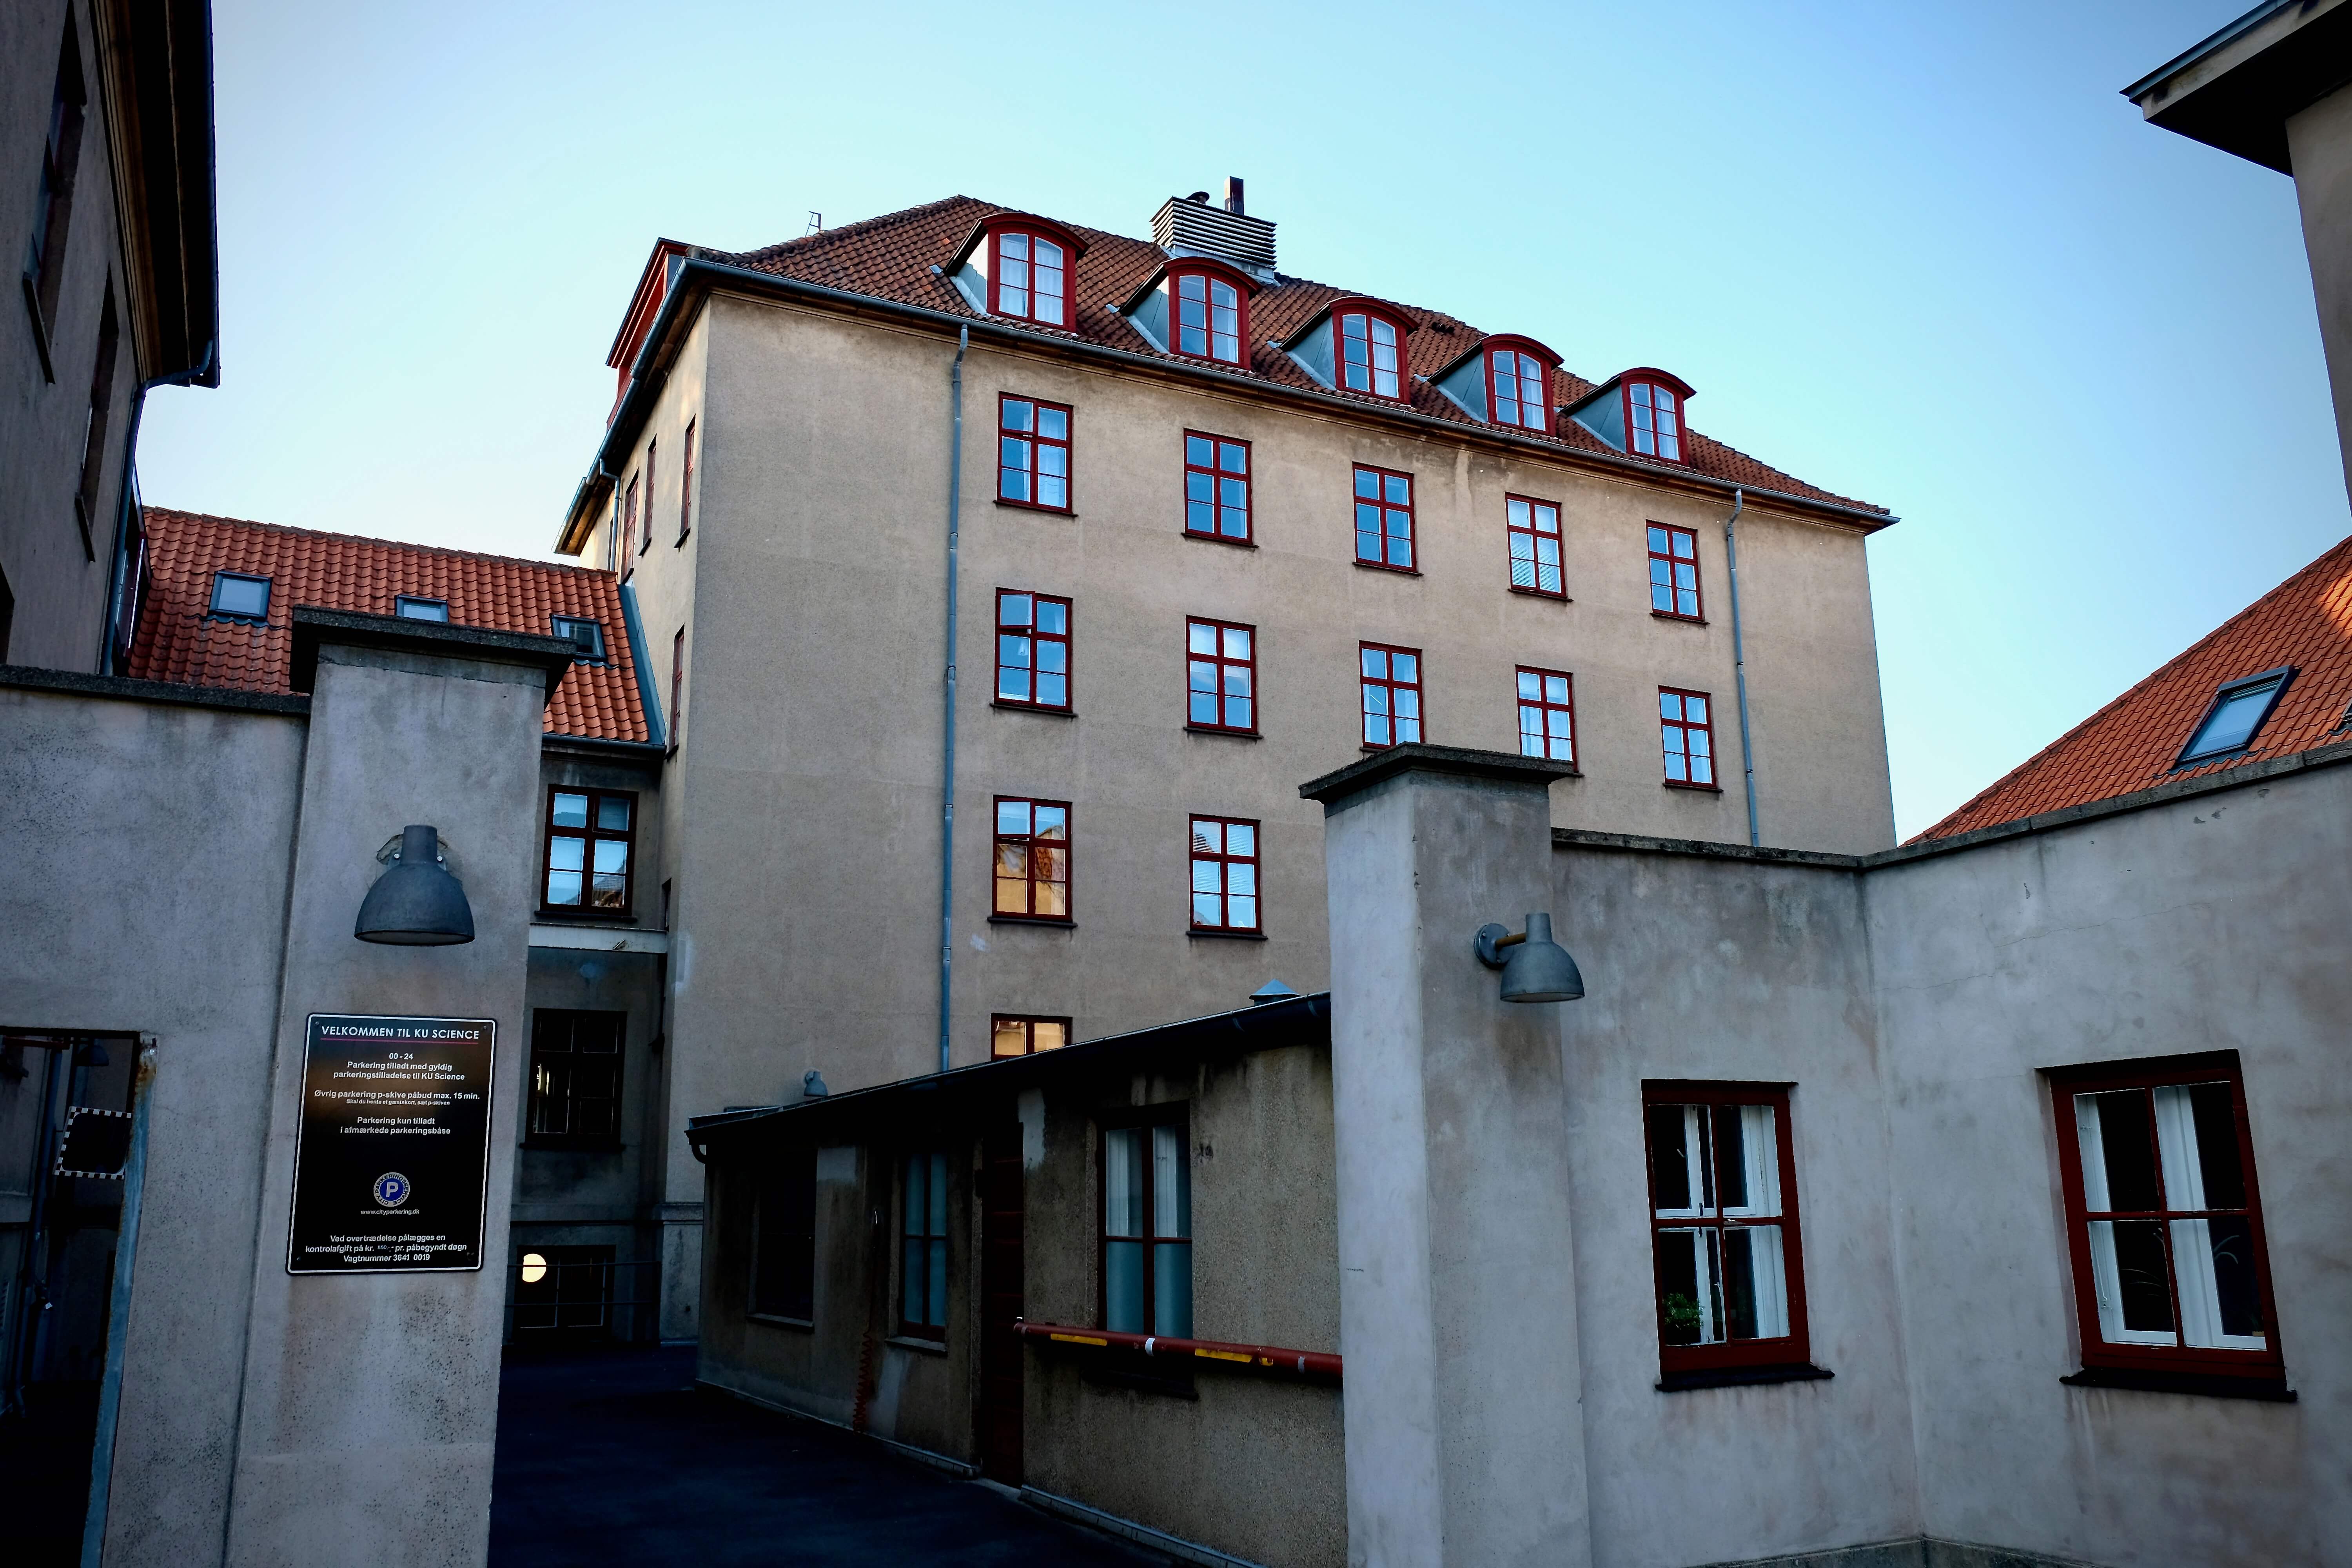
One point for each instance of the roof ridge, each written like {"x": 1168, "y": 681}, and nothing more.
{"x": 447, "y": 550}
{"x": 854, "y": 229}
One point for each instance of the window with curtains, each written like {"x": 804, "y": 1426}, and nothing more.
{"x": 1723, "y": 1207}
{"x": 1686, "y": 738}
{"x": 1521, "y": 387}
{"x": 1033, "y": 453}
{"x": 923, "y": 1247}
{"x": 1221, "y": 678}
{"x": 1225, "y": 874}
{"x": 591, "y": 842}
{"x": 1383, "y": 519}
{"x": 1010, "y": 1035}
{"x": 1208, "y": 316}
{"x": 1029, "y": 277}
{"x": 1033, "y": 860}
{"x": 1674, "y": 571}
{"x": 1370, "y": 354}
{"x": 1392, "y": 694}
{"x": 1654, "y": 420}
{"x": 1216, "y": 487}
{"x": 2163, "y": 1218}
{"x": 1147, "y": 1229}
{"x": 1534, "y": 528}
{"x": 1033, "y": 650}
{"x": 783, "y": 1238}
{"x": 1547, "y": 714}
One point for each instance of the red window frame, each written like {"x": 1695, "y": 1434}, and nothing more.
{"x": 1148, "y": 1237}
{"x": 1553, "y": 692}
{"x": 1213, "y": 485}
{"x": 595, "y": 829}
{"x": 1211, "y": 280}
{"x": 1025, "y": 1031}
{"x": 1792, "y": 1348}
{"x": 1524, "y": 519}
{"x": 1391, "y": 688}
{"x": 677, "y": 689}
{"x": 1026, "y": 442}
{"x": 1515, "y": 378}
{"x": 1045, "y": 659}
{"x": 1229, "y": 666}
{"x": 1378, "y": 506}
{"x": 1026, "y": 310}
{"x": 1675, "y": 727}
{"x": 628, "y": 563}
{"x": 2266, "y": 1365}
{"x": 1652, "y": 430}
{"x": 1225, "y": 873}
{"x": 1022, "y": 872}
{"x": 1674, "y": 557}
{"x": 646, "y": 542}
{"x": 1399, "y": 376}
{"x": 686, "y": 489}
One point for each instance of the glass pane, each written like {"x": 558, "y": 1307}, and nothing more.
{"x": 1171, "y": 1182}
{"x": 1012, "y": 1039}
{"x": 1407, "y": 666}
{"x": 1200, "y": 516}
{"x": 1241, "y": 839}
{"x": 1011, "y": 893}
{"x": 612, "y": 855}
{"x": 613, "y": 814}
{"x": 2143, "y": 1293}
{"x": 1690, "y": 1291}
{"x": 1241, "y": 876}
{"x": 1556, "y": 689}
{"x": 913, "y": 1278}
{"x": 1123, "y": 1181}
{"x": 1171, "y": 1290}
{"x": 1755, "y": 1289}
{"x": 562, "y": 888}
{"x": 1052, "y": 617}
{"x": 1376, "y": 729}
{"x": 1053, "y": 822}
{"x": 571, "y": 810}
{"x": 1657, "y": 541}
{"x": 1201, "y": 637}
{"x": 1049, "y": 1035}
{"x": 1053, "y": 900}
{"x": 1237, "y": 709}
{"x": 1400, "y": 490}
{"x": 566, "y": 854}
{"x": 1208, "y": 837}
{"x": 1013, "y": 683}
{"x": 1207, "y": 877}
{"x": 1123, "y": 1287}
{"x": 1232, "y": 458}
{"x": 1199, "y": 450}
{"x": 1241, "y": 913}
{"x": 937, "y": 1213}
{"x": 1054, "y": 656}
{"x": 1054, "y": 690}
{"x": 1530, "y": 686}
{"x": 1054, "y": 424}
{"x": 1237, "y": 643}
{"x": 1546, "y": 520}
{"x": 1367, "y": 483}
{"x": 1019, "y": 415}
{"x": 1670, "y": 706}
{"x": 2118, "y": 1152}
{"x": 1205, "y": 910}
{"x": 1012, "y": 652}
{"x": 2220, "y": 1303}
{"x": 1376, "y": 663}
{"x": 1013, "y": 817}
{"x": 1408, "y": 730}
{"x": 2215, "y": 1117}
{"x": 937, "y": 1280}
{"x": 1694, "y": 708}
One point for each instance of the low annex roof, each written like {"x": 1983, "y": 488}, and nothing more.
{"x": 180, "y": 640}
{"x": 2134, "y": 743}
{"x": 906, "y": 257}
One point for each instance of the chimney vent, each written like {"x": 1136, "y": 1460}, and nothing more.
{"x": 1189, "y": 226}
{"x": 1233, "y": 194}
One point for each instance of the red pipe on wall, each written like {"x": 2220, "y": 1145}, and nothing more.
{"x": 1321, "y": 1363}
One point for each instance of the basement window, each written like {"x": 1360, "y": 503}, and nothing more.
{"x": 239, "y": 597}
{"x": 409, "y": 609}
{"x": 2236, "y": 716}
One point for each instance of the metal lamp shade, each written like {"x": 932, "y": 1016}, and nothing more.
{"x": 416, "y": 902}
{"x": 1538, "y": 969}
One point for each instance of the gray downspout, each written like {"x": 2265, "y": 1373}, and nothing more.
{"x": 1740, "y": 658}
{"x": 948, "y": 773}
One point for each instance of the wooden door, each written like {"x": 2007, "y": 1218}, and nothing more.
{"x": 1001, "y": 1282}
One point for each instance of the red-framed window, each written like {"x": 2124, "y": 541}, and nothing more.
{"x": 1547, "y": 714}
{"x": 1686, "y": 735}
{"x": 1033, "y": 453}
{"x": 686, "y": 487}
{"x": 629, "y": 529}
{"x": 1032, "y": 859}
{"x": 1371, "y": 352}
{"x": 589, "y": 850}
{"x": 1673, "y": 573}
{"x": 1392, "y": 694}
{"x": 1020, "y": 1035}
{"x": 2164, "y": 1219}
{"x": 1146, "y": 1180}
{"x": 1225, "y": 874}
{"x": 1384, "y": 519}
{"x": 1029, "y": 277}
{"x": 1208, "y": 315}
{"x": 1216, "y": 486}
{"x": 923, "y": 1211}
{"x": 1654, "y": 420}
{"x": 1723, "y": 1227}
{"x": 1033, "y": 649}
{"x": 1518, "y": 387}
{"x": 653, "y": 498}
{"x": 677, "y": 687}
{"x": 1534, "y": 528}
{"x": 1221, "y": 676}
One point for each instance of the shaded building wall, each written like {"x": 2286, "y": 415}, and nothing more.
{"x": 2319, "y": 141}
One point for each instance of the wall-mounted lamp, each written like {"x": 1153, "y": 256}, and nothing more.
{"x": 416, "y": 902}
{"x": 1535, "y": 968}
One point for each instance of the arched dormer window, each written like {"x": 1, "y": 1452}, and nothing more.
{"x": 1653, "y": 415}
{"x": 1021, "y": 268}
{"x": 1208, "y": 313}
{"x": 1371, "y": 351}
{"x": 1521, "y": 387}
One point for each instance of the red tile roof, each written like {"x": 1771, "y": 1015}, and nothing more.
{"x": 2130, "y": 744}
{"x": 179, "y": 640}
{"x": 892, "y": 257}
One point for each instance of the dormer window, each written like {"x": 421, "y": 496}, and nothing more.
{"x": 1654, "y": 420}
{"x": 1522, "y": 388}
{"x": 1370, "y": 354}
{"x": 1029, "y": 277}
{"x": 1212, "y": 315}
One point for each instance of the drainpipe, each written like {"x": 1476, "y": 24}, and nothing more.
{"x": 116, "y": 588}
{"x": 947, "y": 777}
{"x": 1739, "y": 658}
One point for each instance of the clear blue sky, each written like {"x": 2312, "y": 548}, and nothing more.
{"x": 1922, "y": 256}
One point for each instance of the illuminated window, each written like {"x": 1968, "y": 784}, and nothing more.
{"x": 1033, "y": 860}
{"x": 1014, "y": 1036}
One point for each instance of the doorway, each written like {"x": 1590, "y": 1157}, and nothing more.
{"x": 1001, "y": 1305}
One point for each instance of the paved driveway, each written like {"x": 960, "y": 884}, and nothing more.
{"x": 615, "y": 1458}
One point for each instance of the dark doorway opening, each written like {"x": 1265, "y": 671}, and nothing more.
{"x": 1000, "y": 1299}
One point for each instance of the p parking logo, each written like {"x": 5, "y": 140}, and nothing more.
{"x": 391, "y": 1189}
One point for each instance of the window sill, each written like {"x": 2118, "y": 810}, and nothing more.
{"x": 1217, "y": 935}
{"x": 1033, "y": 707}
{"x": 1695, "y": 788}
{"x": 679, "y": 543}
{"x": 806, "y": 1325}
{"x": 909, "y": 1342}
{"x": 1220, "y": 730}
{"x": 1220, "y": 538}
{"x": 1540, "y": 593}
{"x": 1670, "y": 615}
{"x": 1031, "y": 506}
{"x": 1053, "y": 922}
{"x": 567, "y": 913}
{"x": 575, "y": 1145}
{"x": 2212, "y": 1385}
{"x": 1384, "y": 566}
{"x": 40, "y": 327}
{"x": 1741, "y": 1377}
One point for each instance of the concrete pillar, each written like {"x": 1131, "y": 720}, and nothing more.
{"x": 369, "y": 1408}
{"x": 1458, "y": 1289}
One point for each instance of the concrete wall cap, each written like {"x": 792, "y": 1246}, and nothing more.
{"x": 126, "y": 689}
{"x": 350, "y": 628}
{"x": 1462, "y": 762}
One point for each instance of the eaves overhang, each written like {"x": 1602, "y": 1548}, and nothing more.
{"x": 700, "y": 274}
{"x": 2236, "y": 90}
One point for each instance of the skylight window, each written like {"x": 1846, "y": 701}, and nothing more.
{"x": 586, "y": 635}
{"x": 240, "y": 598}
{"x": 408, "y": 607}
{"x": 2239, "y": 711}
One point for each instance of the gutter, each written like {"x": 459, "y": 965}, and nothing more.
{"x": 2197, "y": 51}
{"x": 627, "y": 418}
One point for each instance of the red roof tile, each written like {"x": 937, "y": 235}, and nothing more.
{"x": 2130, "y": 744}
{"x": 179, "y": 641}
{"x": 892, "y": 257}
